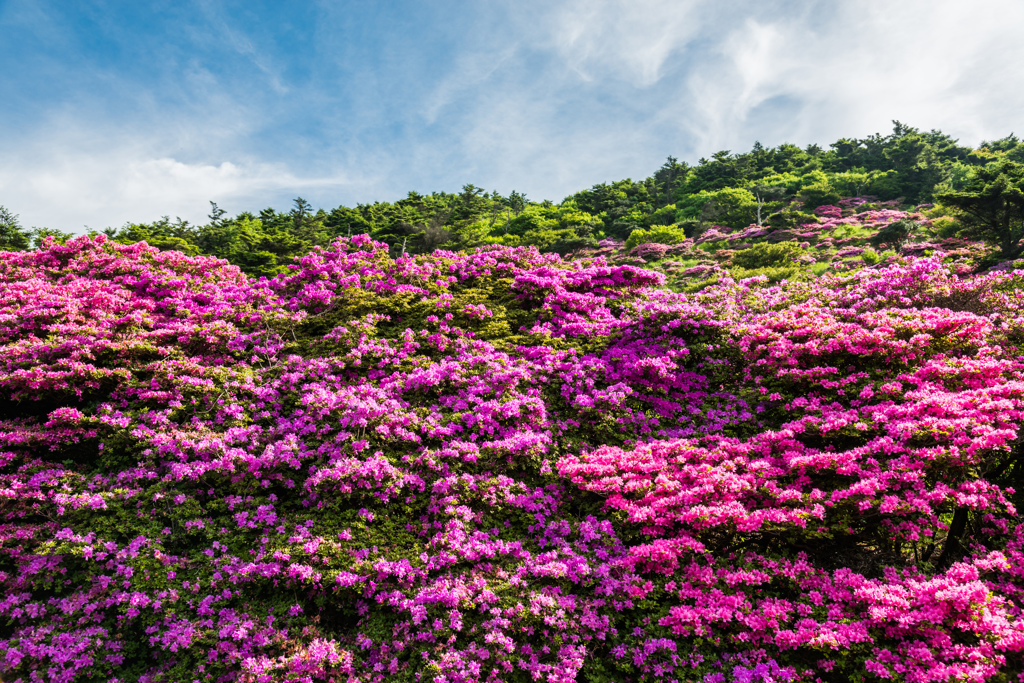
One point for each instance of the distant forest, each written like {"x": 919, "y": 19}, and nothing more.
{"x": 776, "y": 187}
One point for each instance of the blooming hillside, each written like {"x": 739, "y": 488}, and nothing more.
{"x": 854, "y": 234}
{"x": 500, "y": 466}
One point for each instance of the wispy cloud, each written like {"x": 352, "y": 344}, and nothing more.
{"x": 623, "y": 39}
{"x": 933, "y": 63}
{"x": 133, "y": 113}
{"x": 472, "y": 73}
{"x": 218, "y": 26}
{"x": 77, "y": 185}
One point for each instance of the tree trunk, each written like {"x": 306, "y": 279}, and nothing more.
{"x": 951, "y": 547}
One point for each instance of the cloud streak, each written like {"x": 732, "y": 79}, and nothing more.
{"x": 935, "y": 64}
{"x": 158, "y": 112}
{"x": 623, "y": 39}
{"x": 77, "y": 186}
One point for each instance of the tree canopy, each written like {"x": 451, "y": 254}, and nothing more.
{"x": 767, "y": 186}
{"x": 991, "y": 203}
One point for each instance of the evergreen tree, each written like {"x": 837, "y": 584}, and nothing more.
{"x": 12, "y": 236}
{"x": 992, "y": 206}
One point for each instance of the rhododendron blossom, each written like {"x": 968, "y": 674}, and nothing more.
{"x": 503, "y": 466}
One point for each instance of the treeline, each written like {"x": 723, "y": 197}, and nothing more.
{"x": 777, "y": 187}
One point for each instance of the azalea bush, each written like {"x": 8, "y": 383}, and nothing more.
{"x": 503, "y": 466}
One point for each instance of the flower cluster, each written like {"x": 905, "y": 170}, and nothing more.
{"x": 499, "y": 466}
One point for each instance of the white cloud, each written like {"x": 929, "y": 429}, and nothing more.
{"x": 627, "y": 39}
{"x": 541, "y": 96}
{"x": 472, "y": 71}
{"x": 73, "y": 188}
{"x": 221, "y": 28}
{"x": 642, "y": 80}
{"x": 929, "y": 63}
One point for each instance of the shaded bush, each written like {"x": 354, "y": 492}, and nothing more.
{"x": 766, "y": 255}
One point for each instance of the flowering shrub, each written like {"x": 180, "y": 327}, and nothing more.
{"x": 650, "y": 251}
{"x": 834, "y": 238}
{"x": 715, "y": 233}
{"x": 500, "y": 466}
{"x": 828, "y": 211}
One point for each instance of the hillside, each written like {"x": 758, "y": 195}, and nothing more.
{"x": 764, "y": 447}
{"x": 504, "y": 466}
{"x": 945, "y": 189}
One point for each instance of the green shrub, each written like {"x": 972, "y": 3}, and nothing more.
{"x": 730, "y": 206}
{"x": 567, "y": 245}
{"x": 819, "y": 194}
{"x": 851, "y": 230}
{"x": 666, "y": 215}
{"x": 945, "y": 226}
{"x": 773, "y": 273}
{"x": 894, "y": 234}
{"x": 662, "y": 234}
{"x": 786, "y": 220}
{"x": 689, "y": 226}
{"x": 767, "y": 255}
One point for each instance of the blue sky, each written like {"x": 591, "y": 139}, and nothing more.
{"x": 127, "y": 111}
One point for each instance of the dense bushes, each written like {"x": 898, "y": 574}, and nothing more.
{"x": 765, "y": 254}
{"x": 659, "y": 234}
{"x": 502, "y": 466}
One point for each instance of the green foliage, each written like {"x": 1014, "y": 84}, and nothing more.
{"x": 572, "y": 217}
{"x": 776, "y": 187}
{"x": 774, "y": 274}
{"x": 870, "y": 257}
{"x": 517, "y": 202}
{"x": 545, "y": 239}
{"x": 908, "y": 162}
{"x": 12, "y": 236}
{"x": 534, "y": 218}
{"x": 567, "y": 245}
{"x": 852, "y": 230}
{"x": 786, "y": 184}
{"x": 817, "y": 190}
{"x": 40, "y": 235}
{"x": 945, "y": 226}
{"x": 894, "y": 234}
{"x": 790, "y": 218}
{"x": 666, "y": 215}
{"x": 770, "y": 192}
{"x": 853, "y": 183}
{"x": 667, "y": 180}
{"x": 661, "y": 234}
{"x": 621, "y": 207}
{"x": 164, "y": 235}
{"x": 765, "y": 255}
{"x": 992, "y": 206}
{"x": 732, "y": 206}
{"x": 819, "y": 194}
